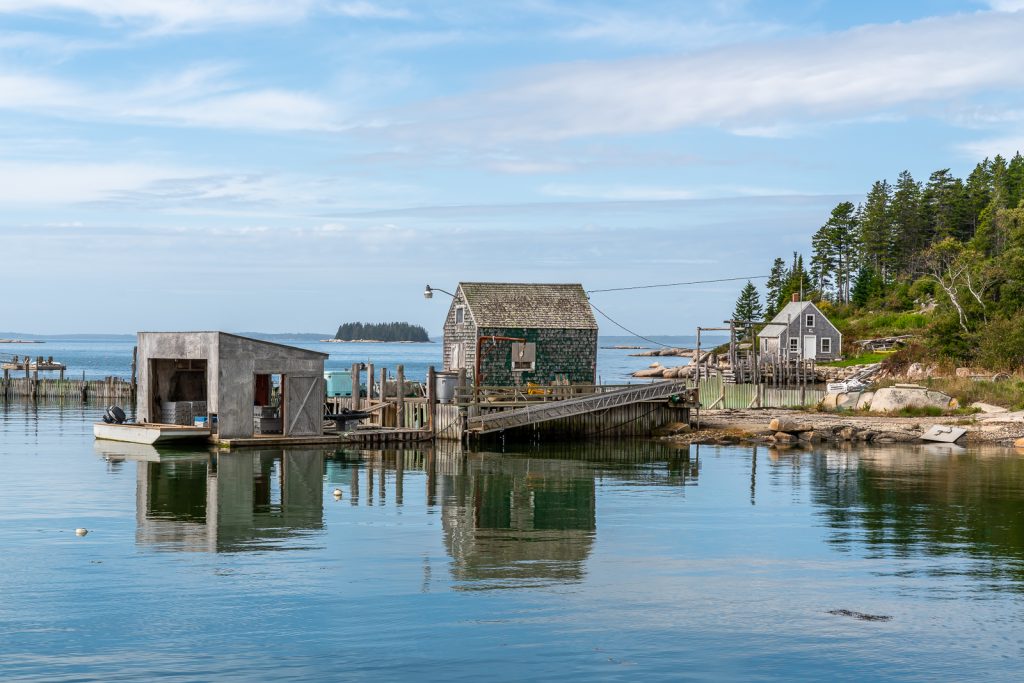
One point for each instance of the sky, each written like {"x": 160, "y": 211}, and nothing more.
{"x": 288, "y": 166}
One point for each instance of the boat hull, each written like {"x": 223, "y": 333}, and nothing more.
{"x": 149, "y": 433}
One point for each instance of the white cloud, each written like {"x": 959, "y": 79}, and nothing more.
{"x": 360, "y": 9}
{"x": 1006, "y": 146}
{"x": 618, "y": 193}
{"x": 168, "y": 16}
{"x": 67, "y": 183}
{"x": 1006, "y": 5}
{"x": 861, "y": 71}
{"x": 199, "y": 96}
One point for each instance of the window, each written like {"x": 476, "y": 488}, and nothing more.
{"x": 826, "y": 345}
{"x": 809, "y": 321}
{"x": 460, "y": 315}
{"x": 794, "y": 343}
{"x": 524, "y": 357}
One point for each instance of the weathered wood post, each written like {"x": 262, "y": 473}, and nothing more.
{"x": 400, "y": 398}
{"x": 460, "y": 393}
{"x": 355, "y": 386}
{"x": 135, "y": 362}
{"x": 383, "y": 394}
{"x": 369, "y": 385}
{"x": 432, "y": 401}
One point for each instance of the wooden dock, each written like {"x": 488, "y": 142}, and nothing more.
{"x": 647, "y": 397}
{"x": 367, "y": 438}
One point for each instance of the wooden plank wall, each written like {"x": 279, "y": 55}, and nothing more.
{"x": 110, "y": 390}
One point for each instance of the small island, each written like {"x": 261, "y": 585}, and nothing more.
{"x": 380, "y": 332}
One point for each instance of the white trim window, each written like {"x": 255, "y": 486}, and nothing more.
{"x": 794, "y": 344}
{"x": 809, "y": 320}
{"x": 826, "y": 345}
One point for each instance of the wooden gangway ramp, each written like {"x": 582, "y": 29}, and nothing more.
{"x": 531, "y": 414}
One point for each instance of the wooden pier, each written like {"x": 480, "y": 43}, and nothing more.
{"x": 109, "y": 390}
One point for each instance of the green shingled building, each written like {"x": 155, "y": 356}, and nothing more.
{"x": 539, "y": 333}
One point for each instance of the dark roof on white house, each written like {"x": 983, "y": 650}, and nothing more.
{"x": 789, "y": 312}
{"x": 535, "y": 306}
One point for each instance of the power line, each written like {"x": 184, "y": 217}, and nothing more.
{"x": 673, "y": 284}
{"x": 638, "y": 336}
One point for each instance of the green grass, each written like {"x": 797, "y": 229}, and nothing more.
{"x": 862, "y": 359}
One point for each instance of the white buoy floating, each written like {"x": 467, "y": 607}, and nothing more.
{"x": 81, "y": 532}
{"x": 337, "y": 493}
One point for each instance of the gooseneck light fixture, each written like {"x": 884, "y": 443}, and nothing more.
{"x": 428, "y": 293}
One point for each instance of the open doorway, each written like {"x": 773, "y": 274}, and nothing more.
{"x": 268, "y": 409}
{"x": 177, "y": 390}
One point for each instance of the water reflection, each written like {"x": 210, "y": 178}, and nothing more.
{"x": 251, "y": 500}
{"x": 905, "y": 502}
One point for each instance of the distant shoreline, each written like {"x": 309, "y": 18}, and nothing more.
{"x": 373, "y": 341}
{"x": 21, "y": 341}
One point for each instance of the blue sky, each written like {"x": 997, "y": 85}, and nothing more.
{"x": 288, "y": 166}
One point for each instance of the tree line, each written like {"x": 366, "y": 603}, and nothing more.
{"x": 959, "y": 241}
{"x": 385, "y": 332}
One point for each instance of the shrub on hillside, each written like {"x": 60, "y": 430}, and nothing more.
{"x": 1001, "y": 344}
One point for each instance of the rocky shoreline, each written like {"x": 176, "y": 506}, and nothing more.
{"x": 789, "y": 428}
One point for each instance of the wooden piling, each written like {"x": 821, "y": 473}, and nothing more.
{"x": 355, "y": 386}
{"x": 432, "y": 400}
{"x": 400, "y": 398}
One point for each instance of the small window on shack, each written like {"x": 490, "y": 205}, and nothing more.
{"x": 809, "y": 322}
{"x": 460, "y": 315}
{"x": 826, "y": 345}
{"x": 794, "y": 344}
{"x": 524, "y": 357}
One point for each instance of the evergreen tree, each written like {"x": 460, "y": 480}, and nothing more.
{"x": 876, "y": 228}
{"x": 907, "y": 223}
{"x": 823, "y": 262}
{"x": 867, "y": 286}
{"x": 944, "y": 207}
{"x": 387, "y": 332}
{"x": 776, "y": 282}
{"x": 842, "y": 239}
{"x": 748, "y": 305}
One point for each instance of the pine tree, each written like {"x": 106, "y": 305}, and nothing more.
{"x": 876, "y": 228}
{"x": 907, "y": 223}
{"x": 823, "y": 262}
{"x": 748, "y": 305}
{"x": 776, "y": 282}
{"x": 842, "y": 240}
{"x": 943, "y": 204}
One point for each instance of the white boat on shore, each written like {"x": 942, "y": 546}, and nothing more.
{"x": 149, "y": 433}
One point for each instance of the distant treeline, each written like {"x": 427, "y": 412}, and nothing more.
{"x": 387, "y": 332}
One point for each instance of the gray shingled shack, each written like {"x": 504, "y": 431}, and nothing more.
{"x": 228, "y": 377}
{"x": 800, "y": 331}
{"x": 554, "y": 321}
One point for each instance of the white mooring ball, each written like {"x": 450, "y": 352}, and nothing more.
{"x": 81, "y": 532}
{"x": 337, "y": 493}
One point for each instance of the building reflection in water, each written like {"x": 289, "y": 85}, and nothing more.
{"x": 508, "y": 519}
{"x": 250, "y": 500}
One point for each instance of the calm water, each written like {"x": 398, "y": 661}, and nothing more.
{"x": 607, "y": 561}
{"x": 612, "y": 561}
{"x": 99, "y": 357}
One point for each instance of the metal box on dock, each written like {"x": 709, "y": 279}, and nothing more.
{"x": 339, "y": 382}
{"x": 446, "y": 385}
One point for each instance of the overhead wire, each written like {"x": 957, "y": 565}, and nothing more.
{"x": 677, "y": 284}
{"x": 669, "y": 284}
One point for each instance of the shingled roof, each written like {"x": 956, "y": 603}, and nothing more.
{"x": 511, "y": 304}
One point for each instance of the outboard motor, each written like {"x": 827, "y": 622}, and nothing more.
{"x": 114, "y": 415}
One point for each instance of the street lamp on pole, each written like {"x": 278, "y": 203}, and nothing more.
{"x": 428, "y": 293}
